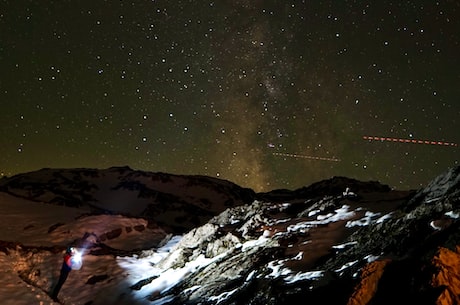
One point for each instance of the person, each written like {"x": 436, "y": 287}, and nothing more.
{"x": 65, "y": 270}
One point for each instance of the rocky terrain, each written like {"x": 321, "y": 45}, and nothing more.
{"x": 156, "y": 238}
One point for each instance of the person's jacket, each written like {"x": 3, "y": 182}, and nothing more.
{"x": 67, "y": 264}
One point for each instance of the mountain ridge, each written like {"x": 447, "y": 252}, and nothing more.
{"x": 337, "y": 241}
{"x": 98, "y": 189}
{"x": 122, "y": 190}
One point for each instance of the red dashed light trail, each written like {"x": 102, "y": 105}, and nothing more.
{"x": 414, "y": 141}
{"x": 306, "y": 157}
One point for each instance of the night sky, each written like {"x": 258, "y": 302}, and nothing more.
{"x": 266, "y": 94}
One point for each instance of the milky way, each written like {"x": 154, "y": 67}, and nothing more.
{"x": 232, "y": 89}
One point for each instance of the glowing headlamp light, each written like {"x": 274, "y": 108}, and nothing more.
{"x": 76, "y": 259}
{"x": 77, "y": 256}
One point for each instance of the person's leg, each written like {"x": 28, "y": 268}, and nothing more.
{"x": 62, "y": 278}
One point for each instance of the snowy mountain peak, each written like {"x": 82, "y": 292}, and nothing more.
{"x": 178, "y": 202}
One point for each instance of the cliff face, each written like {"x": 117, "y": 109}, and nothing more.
{"x": 446, "y": 276}
{"x": 339, "y": 241}
{"x": 432, "y": 282}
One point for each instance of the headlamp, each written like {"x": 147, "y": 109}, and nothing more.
{"x": 76, "y": 259}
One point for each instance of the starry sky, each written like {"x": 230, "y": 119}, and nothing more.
{"x": 265, "y": 93}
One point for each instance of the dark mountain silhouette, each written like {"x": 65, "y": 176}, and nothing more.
{"x": 178, "y": 202}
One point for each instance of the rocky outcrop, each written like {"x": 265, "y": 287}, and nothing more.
{"x": 446, "y": 276}
{"x": 353, "y": 247}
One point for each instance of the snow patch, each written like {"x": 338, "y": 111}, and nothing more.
{"x": 301, "y": 276}
{"x": 163, "y": 279}
{"x": 384, "y": 218}
{"x": 348, "y": 193}
{"x": 371, "y": 258}
{"x": 365, "y": 221}
{"x": 141, "y": 267}
{"x": 342, "y": 213}
{"x": 453, "y": 215}
{"x": 222, "y": 297}
{"x": 434, "y": 226}
{"x": 346, "y": 266}
{"x": 345, "y": 245}
{"x": 279, "y": 270}
{"x": 255, "y": 243}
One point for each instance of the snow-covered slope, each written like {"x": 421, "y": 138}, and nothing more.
{"x": 178, "y": 201}
{"x": 338, "y": 241}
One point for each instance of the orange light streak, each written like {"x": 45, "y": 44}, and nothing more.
{"x": 413, "y": 141}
